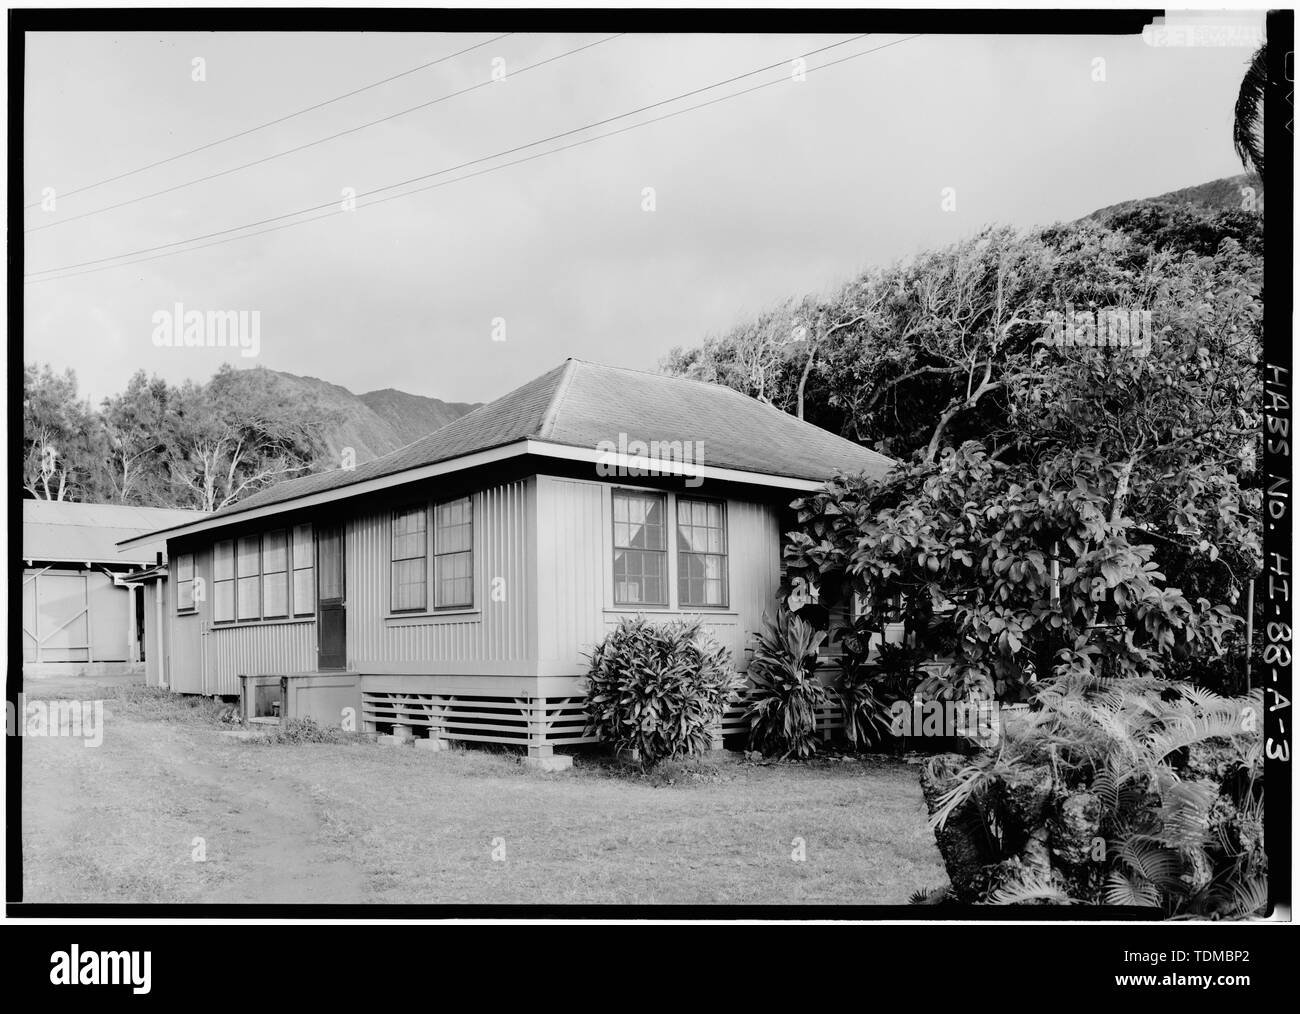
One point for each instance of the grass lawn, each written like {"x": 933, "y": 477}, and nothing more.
{"x": 168, "y": 809}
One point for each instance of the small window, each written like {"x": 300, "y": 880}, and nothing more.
{"x": 410, "y": 560}
{"x": 185, "y": 582}
{"x": 223, "y": 582}
{"x": 275, "y": 575}
{"x": 640, "y": 549}
{"x": 248, "y": 579}
{"x": 701, "y": 553}
{"x": 453, "y": 553}
{"x": 304, "y": 572}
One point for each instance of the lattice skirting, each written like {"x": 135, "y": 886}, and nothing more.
{"x": 734, "y": 723}
{"x": 539, "y": 723}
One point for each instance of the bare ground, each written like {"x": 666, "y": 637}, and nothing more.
{"x": 171, "y": 809}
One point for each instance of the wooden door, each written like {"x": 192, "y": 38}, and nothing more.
{"x": 331, "y": 604}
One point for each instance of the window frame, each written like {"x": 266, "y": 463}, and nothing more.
{"x": 263, "y": 574}
{"x": 295, "y": 569}
{"x": 423, "y": 511}
{"x": 193, "y": 606}
{"x": 437, "y": 553}
{"x": 292, "y": 611}
{"x": 664, "y": 553}
{"x": 241, "y": 577}
{"x": 724, "y": 555}
{"x": 217, "y": 582}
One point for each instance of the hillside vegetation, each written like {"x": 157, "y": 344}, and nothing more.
{"x": 206, "y": 445}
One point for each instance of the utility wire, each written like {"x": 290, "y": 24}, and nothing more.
{"x": 272, "y": 123}
{"x": 312, "y": 144}
{"x": 331, "y": 209}
{"x": 440, "y": 172}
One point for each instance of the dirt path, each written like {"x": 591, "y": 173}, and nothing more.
{"x": 129, "y": 812}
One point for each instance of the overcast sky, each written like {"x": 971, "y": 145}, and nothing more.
{"x": 787, "y": 190}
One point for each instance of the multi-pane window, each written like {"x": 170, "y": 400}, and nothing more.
{"x": 450, "y": 546}
{"x": 410, "y": 553}
{"x": 453, "y": 553}
{"x": 640, "y": 548}
{"x": 304, "y": 571}
{"x": 185, "y": 581}
{"x": 701, "y": 553}
{"x": 270, "y": 576}
{"x": 248, "y": 578}
{"x": 275, "y": 574}
{"x": 223, "y": 582}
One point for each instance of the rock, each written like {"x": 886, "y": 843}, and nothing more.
{"x": 1212, "y": 759}
{"x": 1075, "y": 825}
{"x": 962, "y": 851}
{"x": 1023, "y": 792}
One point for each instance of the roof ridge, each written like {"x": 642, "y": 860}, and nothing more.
{"x": 716, "y": 386}
{"x": 712, "y": 384}
{"x": 453, "y": 422}
{"x": 547, "y": 426}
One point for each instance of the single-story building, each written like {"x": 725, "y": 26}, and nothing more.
{"x": 451, "y": 589}
{"x": 88, "y": 605}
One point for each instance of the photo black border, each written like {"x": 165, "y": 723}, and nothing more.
{"x": 1277, "y": 315}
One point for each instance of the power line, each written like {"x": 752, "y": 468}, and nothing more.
{"x": 272, "y": 123}
{"x": 440, "y": 172}
{"x": 322, "y": 140}
{"x": 333, "y": 208}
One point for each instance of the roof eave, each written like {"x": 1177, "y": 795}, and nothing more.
{"x": 622, "y": 464}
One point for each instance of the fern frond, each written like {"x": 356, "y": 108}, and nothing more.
{"x": 1151, "y": 860}
{"x": 930, "y": 896}
{"x": 1029, "y": 890}
{"x": 1128, "y": 890}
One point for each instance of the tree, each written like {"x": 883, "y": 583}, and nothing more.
{"x": 236, "y": 435}
{"x": 1117, "y": 473}
{"x": 929, "y": 354}
{"x": 1006, "y": 575}
{"x": 1248, "y": 118}
{"x": 135, "y": 424}
{"x": 62, "y": 437}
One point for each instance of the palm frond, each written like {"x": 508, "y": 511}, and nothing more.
{"x": 1248, "y": 118}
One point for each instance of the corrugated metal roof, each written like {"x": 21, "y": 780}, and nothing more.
{"x": 60, "y": 531}
{"x": 581, "y": 404}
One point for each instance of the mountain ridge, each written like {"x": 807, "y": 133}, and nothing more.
{"x": 373, "y": 423}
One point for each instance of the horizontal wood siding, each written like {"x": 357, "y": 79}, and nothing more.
{"x": 495, "y": 636}
{"x": 575, "y": 574}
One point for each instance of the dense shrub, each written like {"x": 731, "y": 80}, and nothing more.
{"x": 864, "y": 693}
{"x": 658, "y": 690}
{"x": 785, "y": 693}
{"x": 1134, "y": 791}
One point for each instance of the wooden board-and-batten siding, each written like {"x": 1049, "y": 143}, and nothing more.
{"x": 576, "y": 573}
{"x": 495, "y": 637}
